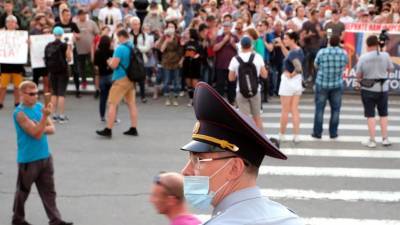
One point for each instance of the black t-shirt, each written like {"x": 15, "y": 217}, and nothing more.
{"x": 71, "y": 27}
{"x": 314, "y": 40}
{"x": 100, "y": 60}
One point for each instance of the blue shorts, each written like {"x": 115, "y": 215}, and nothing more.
{"x": 371, "y": 100}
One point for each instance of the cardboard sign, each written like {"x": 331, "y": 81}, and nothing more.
{"x": 13, "y": 47}
{"x": 38, "y": 44}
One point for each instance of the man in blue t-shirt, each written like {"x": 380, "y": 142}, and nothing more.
{"x": 35, "y": 164}
{"x": 122, "y": 87}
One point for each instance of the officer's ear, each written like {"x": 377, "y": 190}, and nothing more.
{"x": 237, "y": 169}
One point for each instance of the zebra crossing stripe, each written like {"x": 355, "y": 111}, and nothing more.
{"x": 330, "y": 172}
{"x": 326, "y": 126}
{"x": 305, "y": 100}
{"x": 343, "y": 108}
{"x": 340, "y": 153}
{"x": 330, "y": 221}
{"x": 342, "y": 138}
{"x": 342, "y": 116}
{"x": 344, "y": 195}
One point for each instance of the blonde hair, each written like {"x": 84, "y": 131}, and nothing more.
{"x": 27, "y": 85}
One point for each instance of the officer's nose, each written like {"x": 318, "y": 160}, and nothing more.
{"x": 188, "y": 169}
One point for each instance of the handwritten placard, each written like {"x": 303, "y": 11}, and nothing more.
{"x": 13, "y": 47}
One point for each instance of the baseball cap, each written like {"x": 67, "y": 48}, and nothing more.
{"x": 58, "y": 31}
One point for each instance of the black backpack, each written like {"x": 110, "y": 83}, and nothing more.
{"x": 54, "y": 58}
{"x": 248, "y": 78}
{"x": 135, "y": 71}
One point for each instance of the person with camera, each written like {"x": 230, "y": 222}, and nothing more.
{"x": 372, "y": 75}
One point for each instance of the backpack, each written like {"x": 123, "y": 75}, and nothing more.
{"x": 248, "y": 78}
{"x": 54, "y": 58}
{"x": 135, "y": 71}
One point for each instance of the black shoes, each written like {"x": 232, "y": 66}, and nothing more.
{"x": 1, "y": 105}
{"x": 106, "y": 132}
{"x": 132, "y": 131}
{"x": 65, "y": 223}
{"x": 22, "y": 223}
{"x": 315, "y": 136}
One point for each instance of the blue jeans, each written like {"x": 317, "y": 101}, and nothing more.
{"x": 105, "y": 85}
{"x": 171, "y": 79}
{"x": 334, "y": 96}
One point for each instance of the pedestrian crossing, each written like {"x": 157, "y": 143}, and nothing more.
{"x": 334, "y": 181}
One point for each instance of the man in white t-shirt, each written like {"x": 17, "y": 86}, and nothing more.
{"x": 249, "y": 104}
{"x": 300, "y": 17}
{"x": 110, "y": 16}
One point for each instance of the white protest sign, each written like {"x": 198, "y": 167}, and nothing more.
{"x": 13, "y": 47}
{"x": 38, "y": 44}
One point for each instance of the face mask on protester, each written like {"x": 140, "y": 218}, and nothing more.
{"x": 197, "y": 190}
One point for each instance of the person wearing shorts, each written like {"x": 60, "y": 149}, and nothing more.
{"x": 291, "y": 88}
{"x": 121, "y": 87}
{"x": 10, "y": 72}
{"x": 59, "y": 79}
{"x": 249, "y": 106}
{"x": 375, "y": 65}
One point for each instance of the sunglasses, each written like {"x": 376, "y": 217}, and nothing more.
{"x": 32, "y": 93}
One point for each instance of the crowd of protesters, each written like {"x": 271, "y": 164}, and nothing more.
{"x": 184, "y": 42}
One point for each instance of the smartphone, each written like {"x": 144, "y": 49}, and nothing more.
{"x": 47, "y": 99}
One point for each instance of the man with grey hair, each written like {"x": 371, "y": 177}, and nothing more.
{"x": 168, "y": 199}
{"x": 10, "y": 72}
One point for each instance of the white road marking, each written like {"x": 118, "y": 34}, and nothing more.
{"x": 330, "y": 172}
{"x": 341, "y": 138}
{"x": 341, "y": 153}
{"x": 327, "y": 116}
{"x": 343, "y": 108}
{"x": 330, "y": 221}
{"x": 326, "y": 126}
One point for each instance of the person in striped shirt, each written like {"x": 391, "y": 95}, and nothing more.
{"x": 330, "y": 62}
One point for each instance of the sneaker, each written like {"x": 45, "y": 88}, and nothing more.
{"x": 386, "y": 142}
{"x": 296, "y": 139}
{"x": 181, "y": 94}
{"x": 103, "y": 119}
{"x": 369, "y": 143}
{"x": 334, "y": 137}
{"x": 63, "y": 119}
{"x": 282, "y": 137}
{"x": 190, "y": 104}
{"x": 168, "y": 102}
{"x": 55, "y": 117}
{"x": 132, "y": 131}
{"x": 175, "y": 102}
{"x": 117, "y": 121}
{"x": 106, "y": 132}
{"x": 144, "y": 100}
{"x": 21, "y": 223}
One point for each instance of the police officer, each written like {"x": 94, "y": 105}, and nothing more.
{"x": 224, "y": 158}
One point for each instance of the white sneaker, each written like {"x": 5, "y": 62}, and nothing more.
{"x": 282, "y": 137}
{"x": 190, "y": 104}
{"x": 168, "y": 102}
{"x": 386, "y": 142}
{"x": 63, "y": 119}
{"x": 369, "y": 143}
{"x": 296, "y": 139}
{"x": 181, "y": 94}
{"x": 175, "y": 102}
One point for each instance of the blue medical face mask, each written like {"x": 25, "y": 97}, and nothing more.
{"x": 197, "y": 190}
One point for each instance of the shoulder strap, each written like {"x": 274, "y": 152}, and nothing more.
{"x": 239, "y": 59}
{"x": 130, "y": 49}
{"x": 251, "y": 58}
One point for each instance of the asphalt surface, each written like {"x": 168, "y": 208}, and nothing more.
{"x": 100, "y": 181}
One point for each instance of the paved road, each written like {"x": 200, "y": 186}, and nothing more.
{"x": 107, "y": 181}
